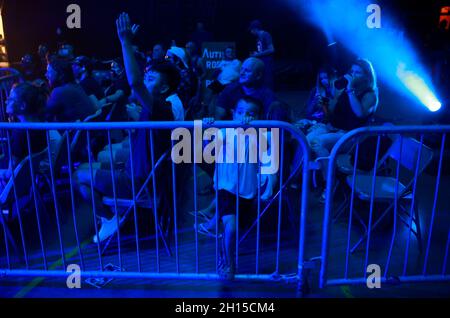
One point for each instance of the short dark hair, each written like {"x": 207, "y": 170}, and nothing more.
{"x": 64, "y": 70}
{"x": 252, "y": 100}
{"x": 170, "y": 75}
{"x": 255, "y": 24}
{"x": 34, "y": 97}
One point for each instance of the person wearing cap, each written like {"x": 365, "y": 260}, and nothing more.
{"x": 188, "y": 85}
{"x": 264, "y": 50}
{"x": 82, "y": 68}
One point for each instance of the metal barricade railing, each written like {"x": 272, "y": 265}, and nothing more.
{"x": 391, "y": 191}
{"x": 31, "y": 249}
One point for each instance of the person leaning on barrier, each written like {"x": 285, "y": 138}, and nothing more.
{"x": 25, "y": 104}
{"x": 151, "y": 93}
{"x": 351, "y": 108}
{"x": 233, "y": 177}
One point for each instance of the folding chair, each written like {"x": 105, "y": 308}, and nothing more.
{"x": 18, "y": 193}
{"x": 143, "y": 200}
{"x": 405, "y": 152}
{"x": 294, "y": 173}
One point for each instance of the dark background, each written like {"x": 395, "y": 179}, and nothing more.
{"x": 31, "y": 22}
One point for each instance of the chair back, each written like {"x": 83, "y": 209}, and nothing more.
{"x": 406, "y": 152}
{"x": 22, "y": 178}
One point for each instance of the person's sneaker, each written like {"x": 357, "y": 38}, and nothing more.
{"x": 108, "y": 228}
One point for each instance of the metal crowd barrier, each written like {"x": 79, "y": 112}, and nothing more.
{"x": 394, "y": 225}
{"x": 42, "y": 238}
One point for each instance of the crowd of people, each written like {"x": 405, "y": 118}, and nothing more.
{"x": 167, "y": 86}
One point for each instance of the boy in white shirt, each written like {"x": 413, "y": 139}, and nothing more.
{"x": 247, "y": 171}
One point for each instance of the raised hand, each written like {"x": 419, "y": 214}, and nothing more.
{"x": 124, "y": 28}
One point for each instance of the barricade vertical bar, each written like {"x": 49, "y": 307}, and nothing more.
{"x": 175, "y": 213}
{"x": 433, "y": 213}
{"x": 413, "y": 203}
{"x": 372, "y": 198}
{"x": 133, "y": 189}
{"x": 238, "y": 190}
{"x": 394, "y": 231}
{"x": 280, "y": 201}
{"x": 155, "y": 204}
{"x": 116, "y": 209}
{"x": 33, "y": 185}
{"x": 303, "y": 211}
{"x": 3, "y": 98}
{"x": 196, "y": 203}
{"x": 258, "y": 224}
{"x": 58, "y": 223}
{"x": 91, "y": 171}
{"x": 4, "y": 225}
{"x": 352, "y": 201}
{"x": 69, "y": 161}
{"x": 444, "y": 266}
{"x": 218, "y": 252}
{"x": 19, "y": 214}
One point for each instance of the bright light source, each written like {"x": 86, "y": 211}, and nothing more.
{"x": 416, "y": 85}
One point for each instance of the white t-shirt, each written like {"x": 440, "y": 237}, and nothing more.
{"x": 227, "y": 173}
{"x": 177, "y": 107}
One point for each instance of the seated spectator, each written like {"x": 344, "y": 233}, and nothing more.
{"x": 321, "y": 95}
{"x": 350, "y": 109}
{"x": 118, "y": 91}
{"x": 250, "y": 84}
{"x": 82, "y": 69}
{"x": 25, "y": 104}
{"x": 228, "y": 72}
{"x": 188, "y": 84}
{"x": 151, "y": 94}
{"x": 121, "y": 151}
{"x": 67, "y": 102}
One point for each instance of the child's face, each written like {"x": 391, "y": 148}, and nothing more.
{"x": 245, "y": 109}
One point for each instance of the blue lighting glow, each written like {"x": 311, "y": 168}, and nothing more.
{"x": 394, "y": 58}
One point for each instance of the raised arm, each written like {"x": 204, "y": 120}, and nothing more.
{"x": 134, "y": 74}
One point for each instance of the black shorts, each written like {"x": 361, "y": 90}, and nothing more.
{"x": 227, "y": 204}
